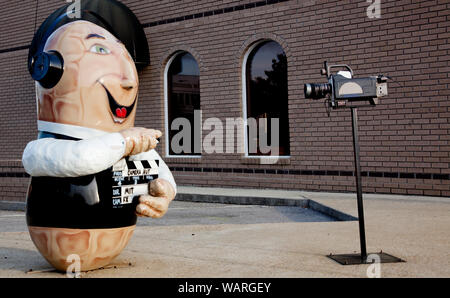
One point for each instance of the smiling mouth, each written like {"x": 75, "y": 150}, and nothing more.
{"x": 119, "y": 112}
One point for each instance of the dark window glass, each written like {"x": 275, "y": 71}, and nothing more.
{"x": 267, "y": 91}
{"x": 183, "y": 94}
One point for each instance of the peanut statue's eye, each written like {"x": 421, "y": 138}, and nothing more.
{"x": 99, "y": 49}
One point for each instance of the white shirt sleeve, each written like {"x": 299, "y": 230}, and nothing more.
{"x": 67, "y": 158}
{"x": 164, "y": 171}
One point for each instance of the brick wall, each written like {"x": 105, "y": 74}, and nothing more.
{"x": 404, "y": 141}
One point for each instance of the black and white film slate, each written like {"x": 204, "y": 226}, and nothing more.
{"x": 131, "y": 178}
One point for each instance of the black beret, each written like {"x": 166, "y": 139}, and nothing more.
{"x": 112, "y": 15}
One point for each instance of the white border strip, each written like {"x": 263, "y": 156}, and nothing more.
{"x": 78, "y": 132}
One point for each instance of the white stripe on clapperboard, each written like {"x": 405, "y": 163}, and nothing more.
{"x": 139, "y": 166}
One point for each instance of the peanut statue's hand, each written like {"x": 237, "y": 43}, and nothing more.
{"x": 156, "y": 204}
{"x": 140, "y": 140}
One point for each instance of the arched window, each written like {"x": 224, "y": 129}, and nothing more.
{"x": 266, "y": 97}
{"x": 182, "y": 95}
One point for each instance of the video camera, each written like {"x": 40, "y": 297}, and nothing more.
{"x": 343, "y": 89}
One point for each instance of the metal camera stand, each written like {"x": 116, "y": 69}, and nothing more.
{"x": 344, "y": 91}
{"x": 362, "y": 258}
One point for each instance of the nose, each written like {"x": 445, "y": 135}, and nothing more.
{"x": 129, "y": 80}
{"x": 127, "y": 84}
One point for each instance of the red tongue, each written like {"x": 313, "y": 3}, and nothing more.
{"x": 121, "y": 113}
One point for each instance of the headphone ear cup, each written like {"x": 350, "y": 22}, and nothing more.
{"x": 47, "y": 68}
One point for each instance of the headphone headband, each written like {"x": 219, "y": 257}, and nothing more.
{"x": 55, "y": 23}
{"x": 49, "y": 32}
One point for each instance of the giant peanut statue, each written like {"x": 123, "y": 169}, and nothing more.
{"x": 92, "y": 172}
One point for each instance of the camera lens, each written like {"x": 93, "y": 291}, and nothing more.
{"x": 317, "y": 91}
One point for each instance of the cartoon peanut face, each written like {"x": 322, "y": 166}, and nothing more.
{"x": 99, "y": 86}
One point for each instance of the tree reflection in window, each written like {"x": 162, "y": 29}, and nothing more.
{"x": 267, "y": 90}
{"x": 183, "y": 79}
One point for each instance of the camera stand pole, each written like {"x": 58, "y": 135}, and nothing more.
{"x": 356, "y": 259}
{"x": 359, "y": 197}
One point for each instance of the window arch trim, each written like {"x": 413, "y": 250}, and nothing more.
{"x": 166, "y": 106}
{"x": 247, "y": 54}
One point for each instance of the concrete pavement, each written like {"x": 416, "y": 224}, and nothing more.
{"x": 229, "y": 240}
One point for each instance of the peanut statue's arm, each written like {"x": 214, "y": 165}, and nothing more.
{"x": 66, "y": 158}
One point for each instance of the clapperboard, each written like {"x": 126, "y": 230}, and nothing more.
{"x": 131, "y": 178}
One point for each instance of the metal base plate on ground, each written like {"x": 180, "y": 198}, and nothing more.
{"x": 355, "y": 259}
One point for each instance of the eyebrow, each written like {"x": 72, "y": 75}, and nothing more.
{"x": 94, "y": 35}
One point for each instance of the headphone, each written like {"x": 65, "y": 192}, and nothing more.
{"x": 47, "y": 68}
